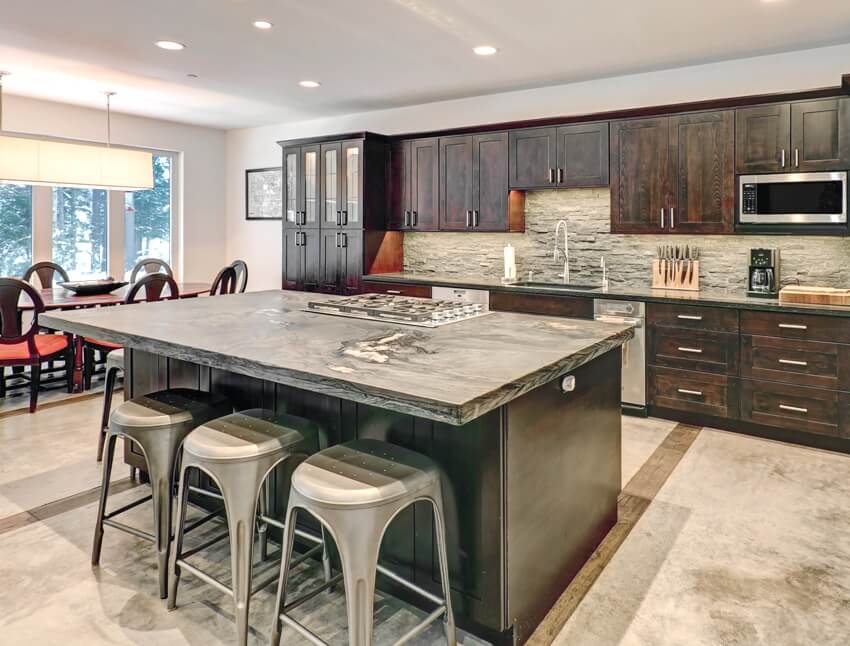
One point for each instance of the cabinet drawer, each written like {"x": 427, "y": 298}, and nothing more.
{"x": 796, "y": 326}
{"x": 797, "y": 408}
{"x": 693, "y": 392}
{"x": 792, "y": 361}
{"x": 575, "y": 307}
{"x": 694, "y": 350}
{"x": 693, "y": 317}
{"x": 400, "y": 289}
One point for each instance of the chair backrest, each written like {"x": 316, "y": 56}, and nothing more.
{"x": 45, "y": 271}
{"x": 153, "y": 286}
{"x": 150, "y": 266}
{"x": 241, "y": 268}
{"x": 224, "y": 282}
{"x": 10, "y": 320}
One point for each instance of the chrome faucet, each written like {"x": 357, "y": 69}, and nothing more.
{"x": 566, "y": 251}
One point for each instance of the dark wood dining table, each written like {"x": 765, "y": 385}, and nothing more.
{"x": 59, "y": 298}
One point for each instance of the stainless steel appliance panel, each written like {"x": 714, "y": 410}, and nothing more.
{"x": 634, "y": 352}
{"x": 793, "y": 198}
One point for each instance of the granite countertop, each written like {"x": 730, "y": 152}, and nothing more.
{"x": 713, "y": 297}
{"x": 454, "y": 373}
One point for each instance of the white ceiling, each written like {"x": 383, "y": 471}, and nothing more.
{"x": 372, "y": 54}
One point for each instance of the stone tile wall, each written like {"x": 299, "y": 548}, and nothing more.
{"x": 813, "y": 260}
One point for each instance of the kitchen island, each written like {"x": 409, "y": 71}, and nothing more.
{"x": 522, "y": 413}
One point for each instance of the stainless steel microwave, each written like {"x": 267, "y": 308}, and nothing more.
{"x": 793, "y": 198}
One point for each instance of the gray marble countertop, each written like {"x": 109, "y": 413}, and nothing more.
{"x": 454, "y": 373}
{"x": 714, "y": 297}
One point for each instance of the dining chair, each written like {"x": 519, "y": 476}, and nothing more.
{"x": 150, "y": 266}
{"x": 224, "y": 282}
{"x": 19, "y": 348}
{"x": 241, "y": 268}
{"x": 45, "y": 271}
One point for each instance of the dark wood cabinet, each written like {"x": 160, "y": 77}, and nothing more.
{"x": 414, "y": 190}
{"x": 575, "y": 307}
{"x": 693, "y": 392}
{"x": 301, "y": 259}
{"x": 559, "y": 157}
{"x": 812, "y": 410}
{"x": 398, "y": 289}
{"x": 341, "y": 261}
{"x": 301, "y": 186}
{"x": 474, "y": 183}
{"x": 533, "y": 158}
{"x": 787, "y": 137}
{"x": 693, "y": 350}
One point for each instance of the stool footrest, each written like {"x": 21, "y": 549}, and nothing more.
{"x": 303, "y": 631}
{"x": 416, "y": 630}
{"x": 411, "y": 586}
{"x": 203, "y": 576}
{"x": 312, "y": 593}
{"x": 128, "y": 507}
{"x": 114, "y": 524}
{"x": 206, "y": 492}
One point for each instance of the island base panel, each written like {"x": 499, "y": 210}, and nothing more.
{"x": 542, "y": 471}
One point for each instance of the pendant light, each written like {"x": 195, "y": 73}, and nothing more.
{"x": 25, "y": 159}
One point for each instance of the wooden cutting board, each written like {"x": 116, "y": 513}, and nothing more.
{"x": 814, "y": 295}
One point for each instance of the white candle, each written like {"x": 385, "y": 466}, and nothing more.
{"x": 510, "y": 263}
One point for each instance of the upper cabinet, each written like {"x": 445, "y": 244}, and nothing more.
{"x": 559, "y": 157}
{"x": 414, "y": 172}
{"x": 301, "y": 170}
{"x": 787, "y": 137}
{"x": 342, "y": 189}
{"x": 673, "y": 174}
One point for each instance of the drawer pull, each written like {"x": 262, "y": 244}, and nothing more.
{"x": 793, "y": 326}
{"x": 393, "y": 291}
{"x": 685, "y": 391}
{"x": 692, "y": 350}
{"x": 791, "y": 362}
{"x": 689, "y": 317}
{"x": 794, "y": 409}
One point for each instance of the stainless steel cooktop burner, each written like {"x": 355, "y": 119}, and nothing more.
{"x": 424, "y": 312}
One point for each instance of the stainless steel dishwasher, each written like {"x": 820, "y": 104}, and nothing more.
{"x": 634, "y": 352}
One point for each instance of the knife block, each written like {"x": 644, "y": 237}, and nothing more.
{"x": 675, "y": 274}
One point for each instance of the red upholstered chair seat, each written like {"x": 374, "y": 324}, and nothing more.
{"x": 45, "y": 344}
{"x": 103, "y": 344}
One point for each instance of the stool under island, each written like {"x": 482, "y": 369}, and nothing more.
{"x": 520, "y": 413}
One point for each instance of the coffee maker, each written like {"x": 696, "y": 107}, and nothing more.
{"x": 763, "y": 278}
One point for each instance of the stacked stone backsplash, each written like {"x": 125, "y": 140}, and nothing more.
{"x": 813, "y": 260}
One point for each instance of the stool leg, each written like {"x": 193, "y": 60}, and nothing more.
{"x": 160, "y": 458}
{"x": 359, "y": 541}
{"x": 241, "y": 516}
{"x": 286, "y": 545}
{"x": 262, "y": 527}
{"x": 440, "y": 531}
{"x": 107, "y": 407}
{"x": 177, "y": 546}
{"x": 104, "y": 493}
{"x": 326, "y": 559}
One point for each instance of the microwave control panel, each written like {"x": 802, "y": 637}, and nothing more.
{"x": 748, "y": 200}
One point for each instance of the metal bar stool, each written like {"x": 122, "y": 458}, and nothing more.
{"x": 355, "y": 490}
{"x": 158, "y": 423}
{"x": 114, "y": 365}
{"x": 239, "y": 452}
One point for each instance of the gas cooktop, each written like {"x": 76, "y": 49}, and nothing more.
{"x": 424, "y": 312}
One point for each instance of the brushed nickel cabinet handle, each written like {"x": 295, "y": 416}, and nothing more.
{"x": 672, "y": 217}
{"x": 476, "y": 220}
{"x": 689, "y": 317}
{"x": 783, "y": 158}
{"x": 692, "y": 350}
{"x": 560, "y": 176}
{"x": 794, "y": 409}
{"x": 551, "y": 175}
{"x": 393, "y": 291}
{"x": 407, "y": 218}
{"x": 791, "y": 362}
{"x": 793, "y": 326}
{"x": 662, "y": 218}
{"x": 685, "y": 391}
{"x": 797, "y": 157}
{"x": 414, "y": 215}
{"x": 469, "y": 219}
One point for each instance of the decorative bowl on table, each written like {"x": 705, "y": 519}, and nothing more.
{"x": 93, "y": 287}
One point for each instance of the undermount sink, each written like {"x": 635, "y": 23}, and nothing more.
{"x": 572, "y": 286}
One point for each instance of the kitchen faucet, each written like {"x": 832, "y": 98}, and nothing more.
{"x": 566, "y": 274}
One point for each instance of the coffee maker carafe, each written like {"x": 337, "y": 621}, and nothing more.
{"x": 763, "y": 279}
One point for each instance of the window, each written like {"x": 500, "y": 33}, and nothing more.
{"x": 15, "y": 229}
{"x": 79, "y": 231}
{"x": 147, "y": 218}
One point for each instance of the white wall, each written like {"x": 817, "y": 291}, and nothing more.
{"x": 202, "y": 233}
{"x": 259, "y": 242}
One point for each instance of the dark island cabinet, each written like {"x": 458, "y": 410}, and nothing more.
{"x": 414, "y": 179}
{"x": 559, "y": 157}
{"x": 673, "y": 174}
{"x": 474, "y": 183}
{"x": 789, "y": 137}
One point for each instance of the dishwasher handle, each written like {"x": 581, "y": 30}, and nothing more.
{"x": 622, "y": 320}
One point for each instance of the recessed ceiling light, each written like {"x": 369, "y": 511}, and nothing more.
{"x": 263, "y": 24}
{"x": 192, "y": 76}
{"x": 171, "y": 45}
{"x": 485, "y": 50}
{"x": 309, "y": 83}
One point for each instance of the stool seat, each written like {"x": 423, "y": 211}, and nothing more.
{"x": 363, "y": 473}
{"x": 115, "y": 359}
{"x": 167, "y": 408}
{"x": 248, "y": 435}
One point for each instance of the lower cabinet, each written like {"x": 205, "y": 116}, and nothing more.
{"x": 693, "y": 392}
{"x": 576, "y": 307}
{"x": 301, "y": 259}
{"x": 813, "y": 410}
{"x": 341, "y": 261}
{"x": 397, "y": 289}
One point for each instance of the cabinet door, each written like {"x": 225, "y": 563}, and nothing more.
{"x": 640, "y": 175}
{"x": 533, "y": 158}
{"x": 293, "y": 259}
{"x": 490, "y": 182}
{"x": 292, "y": 199}
{"x": 309, "y": 184}
{"x": 702, "y": 150}
{"x": 331, "y": 212}
{"x": 763, "y": 139}
{"x": 311, "y": 249}
{"x": 329, "y": 269}
{"x": 820, "y": 135}
{"x": 424, "y": 185}
{"x": 456, "y": 183}
{"x": 351, "y": 184}
{"x": 399, "y": 213}
{"x": 351, "y": 262}
{"x": 582, "y": 155}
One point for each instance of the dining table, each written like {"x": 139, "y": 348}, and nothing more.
{"x": 59, "y": 298}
